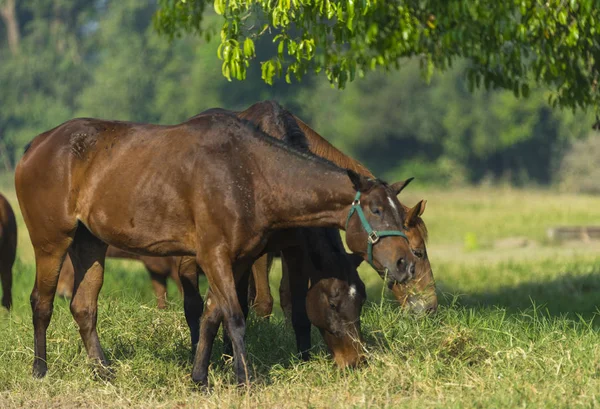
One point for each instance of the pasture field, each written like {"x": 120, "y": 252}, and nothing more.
{"x": 516, "y": 327}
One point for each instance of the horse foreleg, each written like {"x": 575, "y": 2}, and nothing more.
{"x": 262, "y": 300}
{"x": 293, "y": 263}
{"x": 66, "y": 279}
{"x": 192, "y": 300}
{"x": 159, "y": 284}
{"x": 224, "y": 295}
{"x": 285, "y": 294}
{"x": 241, "y": 287}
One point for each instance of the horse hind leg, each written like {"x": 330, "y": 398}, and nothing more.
{"x": 88, "y": 254}
{"x": 47, "y": 265}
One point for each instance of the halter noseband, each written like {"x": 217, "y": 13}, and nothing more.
{"x": 373, "y": 235}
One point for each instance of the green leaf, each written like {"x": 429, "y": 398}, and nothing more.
{"x": 219, "y": 6}
{"x": 249, "y": 50}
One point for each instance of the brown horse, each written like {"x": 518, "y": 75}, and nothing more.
{"x": 8, "y": 249}
{"x": 213, "y": 187}
{"x": 418, "y": 294}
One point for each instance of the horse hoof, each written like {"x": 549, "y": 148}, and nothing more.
{"x": 39, "y": 369}
{"x": 201, "y": 382}
{"x": 103, "y": 372}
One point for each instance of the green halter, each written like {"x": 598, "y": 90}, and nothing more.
{"x": 373, "y": 235}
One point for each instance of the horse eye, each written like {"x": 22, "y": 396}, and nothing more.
{"x": 418, "y": 253}
{"x": 332, "y": 305}
{"x": 376, "y": 211}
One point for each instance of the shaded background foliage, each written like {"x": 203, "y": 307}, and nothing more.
{"x": 103, "y": 58}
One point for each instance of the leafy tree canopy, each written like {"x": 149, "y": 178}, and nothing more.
{"x": 512, "y": 44}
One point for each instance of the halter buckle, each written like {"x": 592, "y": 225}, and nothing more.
{"x": 373, "y": 237}
{"x": 356, "y": 202}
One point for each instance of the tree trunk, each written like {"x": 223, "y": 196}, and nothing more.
{"x": 9, "y": 16}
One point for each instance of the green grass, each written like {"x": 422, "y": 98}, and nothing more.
{"x": 515, "y": 328}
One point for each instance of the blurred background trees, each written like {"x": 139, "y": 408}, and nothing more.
{"x": 65, "y": 58}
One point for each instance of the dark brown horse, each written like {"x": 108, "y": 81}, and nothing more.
{"x": 8, "y": 249}
{"x": 213, "y": 187}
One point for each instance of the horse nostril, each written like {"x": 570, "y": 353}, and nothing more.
{"x": 411, "y": 270}
{"x": 400, "y": 263}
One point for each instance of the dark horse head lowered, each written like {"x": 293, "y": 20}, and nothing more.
{"x": 214, "y": 188}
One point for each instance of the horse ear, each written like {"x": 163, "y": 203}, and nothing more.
{"x": 414, "y": 212}
{"x": 399, "y": 186}
{"x": 423, "y": 204}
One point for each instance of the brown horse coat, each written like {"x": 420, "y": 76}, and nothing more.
{"x": 213, "y": 188}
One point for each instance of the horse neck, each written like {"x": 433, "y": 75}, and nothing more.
{"x": 304, "y": 193}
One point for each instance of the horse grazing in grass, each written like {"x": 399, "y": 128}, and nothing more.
{"x": 8, "y": 249}
{"x": 213, "y": 187}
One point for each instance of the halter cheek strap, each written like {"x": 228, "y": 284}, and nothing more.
{"x": 373, "y": 235}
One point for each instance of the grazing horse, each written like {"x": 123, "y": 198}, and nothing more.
{"x": 8, "y": 249}
{"x": 213, "y": 187}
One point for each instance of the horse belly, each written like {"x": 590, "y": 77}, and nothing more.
{"x": 149, "y": 220}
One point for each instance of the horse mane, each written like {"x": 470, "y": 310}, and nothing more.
{"x": 420, "y": 225}
{"x": 276, "y": 121}
{"x": 323, "y": 148}
{"x": 260, "y": 133}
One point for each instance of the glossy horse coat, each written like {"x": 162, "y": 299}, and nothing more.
{"x": 213, "y": 187}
